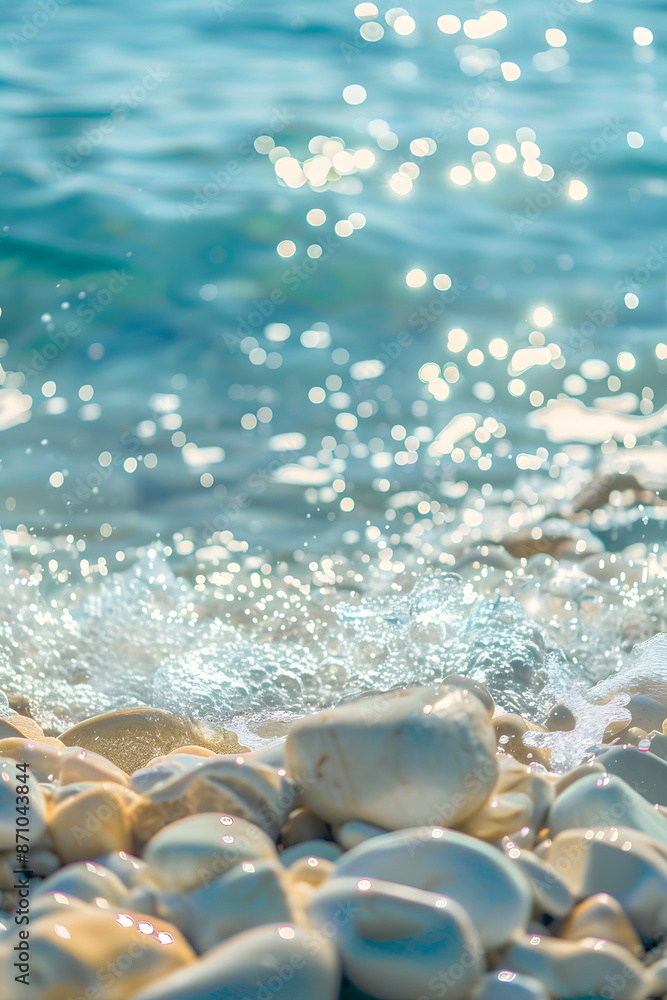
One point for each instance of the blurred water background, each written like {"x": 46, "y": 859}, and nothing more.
{"x": 135, "y": 207}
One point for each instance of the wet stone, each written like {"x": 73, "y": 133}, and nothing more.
{"x": 94, "y": 820}
{"x": 601, "y": 916}
{"x": 236, "y": 968}
{"x": 645, "y": 772}
{"x": 424, "y": 755}
{"x": 493, "y": 892}
{"x": 131, "y": 737}
{"x": 194, "y": 850}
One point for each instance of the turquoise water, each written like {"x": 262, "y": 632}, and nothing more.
{"x": 139, "y": 254}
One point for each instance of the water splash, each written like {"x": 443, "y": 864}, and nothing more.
{"x": 568, "y": 749}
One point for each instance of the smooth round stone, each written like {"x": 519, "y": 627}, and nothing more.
{"x": 250, "y": 894}
{"x": 502, "y": 816}
{"x": 10, "y": 781}
{"x": 507, "y": 985}
{"x": 560, "y": 719}
{"x": 275, "y": 960}
{"x": 494, "y": 893}
{"x": 93, "y": 821}
{"x": 647, "y": 713}
{"x": 50, "y": 762}
{"x": 324, "y": 849}
{"x": 53, "y": 761}
{"x": 621, "y": 862}
{"x": 601, "y": 916}
{"x": 79, "y": 948}
{"x": 218, "y": 784}
{"x": 124, "y": 865}
{"x": 352, "y": 833}
{"x": 20, "y": 726}
{"x": 587, "y": 968}
{"x": 194, "y": 751}
{"x": 42, "y": 757}
{"x": 163, "y": 769}
{"x": 605, "y": 800}
{"x": 194, "y": 850}
{"x": 394, "y": 940}
{"x": 643, "y": 771}
{"x": 133, "y": 736}
{"x": 424, "y": 755}
{"x": 517, "y": 807}
{"x": 303, "y": 824}
{"x": 86, "y": 881}
{"x": 551, "y": 894}
{"x": 45, "y": 903}
{"x": 77, "y": 764}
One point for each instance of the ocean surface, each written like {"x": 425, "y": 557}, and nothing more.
{"x": 301, "y": 300}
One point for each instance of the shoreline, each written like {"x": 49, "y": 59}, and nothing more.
{"x": 410, "y": 842}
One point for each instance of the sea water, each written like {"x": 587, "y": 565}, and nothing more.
{"x": 304, "y": 312}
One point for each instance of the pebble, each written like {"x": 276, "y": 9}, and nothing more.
{"x": 94, "y": 820}
{"x": 195, "y": 751}
{"x": 196, "y": 849}
{"x": 246, "y": 896}
{"x": 353, "y": 832}
{"x": 77, "y": 764}
{"x": 606, "y": 800}
{"x": 249, "y": 790}
{"x": 645, "y": 772}
{"x": 423, "y": 755}
{"x": 591, "y": 967}
{"x": 560, "y": 719}
{"x": 395, "y": 940}
{"x": 275, "y": 960}
{"x": 518, "y": 805}
{"x": 495, "y": 894}
{"x": 621, "y": 862}
{"x": 133, "y": 736}
{"x": 601, "y": 916}
{"x": 86, "y": 881}
{"x": 126, "y": 866}
{"x": 42, "y": 757}
{"x": 67, "y": 765}
{"x": 162, "y": 769}
{"x": 468, "y": 684}
{"x": 75, "y": 948}
{"x": 551, "y": 894}
{"x": 20, "y": 726}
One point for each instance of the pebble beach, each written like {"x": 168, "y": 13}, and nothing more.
{"x": 431, "y": 841}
